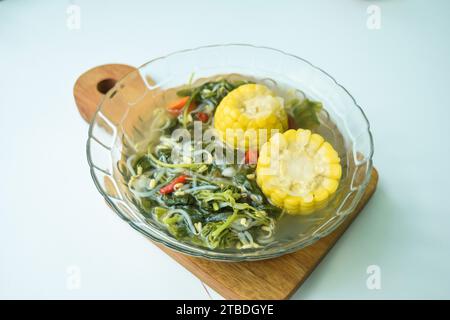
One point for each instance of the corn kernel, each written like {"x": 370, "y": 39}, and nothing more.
{"x": 298, "y": 171}
{"x": 250, "y": 107}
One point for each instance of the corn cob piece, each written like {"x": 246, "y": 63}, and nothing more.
{"x": 298, "y": 171}
{"x": 249, "y": 115}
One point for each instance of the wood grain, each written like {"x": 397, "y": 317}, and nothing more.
{"x": 275, "y": 278}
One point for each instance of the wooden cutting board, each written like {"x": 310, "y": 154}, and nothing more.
{"x": 275, "y": 278}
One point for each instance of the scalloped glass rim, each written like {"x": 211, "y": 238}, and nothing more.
{"x": 243, "y": 255}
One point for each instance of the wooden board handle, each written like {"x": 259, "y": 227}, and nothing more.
{"x": 92, "y": 85}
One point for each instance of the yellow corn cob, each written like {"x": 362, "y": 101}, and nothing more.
{"x": 244, "y": 111}
{"x": 298, "y": 171}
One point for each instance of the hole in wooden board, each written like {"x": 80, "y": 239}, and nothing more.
{"x": 105, "y": 85}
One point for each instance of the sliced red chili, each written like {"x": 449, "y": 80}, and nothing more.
{"x": 202, "y": 116}
{"x": 177, "y": 107}
{"x": 251, "y": 156}
{"x": 170, "y": 187}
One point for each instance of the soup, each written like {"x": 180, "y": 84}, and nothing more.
{"x": 235, "y": 162}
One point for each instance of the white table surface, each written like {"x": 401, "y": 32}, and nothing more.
{"x": 54, "y": 226}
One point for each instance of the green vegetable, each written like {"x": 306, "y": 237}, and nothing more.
{"x": 304, "y": 113}
{"x": 159, "y": 212}
{"x": 225, "y": 225}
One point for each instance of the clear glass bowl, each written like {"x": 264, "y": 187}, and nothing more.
{"x": 121, "y": 122}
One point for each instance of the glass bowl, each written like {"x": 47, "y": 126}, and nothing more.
{"x": 120, "y": 127}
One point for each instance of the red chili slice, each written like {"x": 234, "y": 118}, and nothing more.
{"x": 177, "y": 107}
{"x": 251, "y": 156}
{"x": 203, "y": 117}
{"x": 170, "y": 187}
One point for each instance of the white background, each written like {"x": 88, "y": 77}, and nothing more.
{"x": 52, "y": 217}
